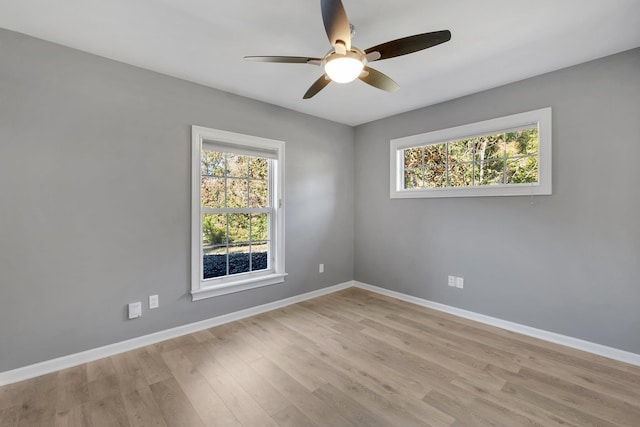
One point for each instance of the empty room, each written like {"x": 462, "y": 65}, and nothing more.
{"x": 319, "y": 213}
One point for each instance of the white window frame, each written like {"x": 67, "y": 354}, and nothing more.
{"x": 541, "y": 117}
{"x": 212, "y": 287}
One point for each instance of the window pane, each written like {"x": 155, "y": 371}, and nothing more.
{"x": 489, "y": 173}
{"x": 489, "y": 147}
{"x": 238, "y": 228}
{"x": 413, "y": 178}
{"x": 212, "y": 163}
{"x": 461, "y": 151}
{"x": 522, "y": 142}
{"x": 239, "y": 259}
{"x": 237, "y": 193}
{"x": 212, "y": 192}
{"x": 523, "y": 170}
{"x": 435, "y": 154}
{"x": 259, "y": 227}
{"x": 214, "y": 230}
{"x": 259, "y": 168}
{"x": 435, "y": 176}
{"x": 258, "y": 194}
{"x": 259, "y": 256}
{"x": 460, "y": 174}
{"x": 413, "y": 157}
{"x": 214, "y": 263}
{"x": 237, "y": 165}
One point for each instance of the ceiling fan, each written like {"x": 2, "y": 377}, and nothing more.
{"x": 344, "y": 62}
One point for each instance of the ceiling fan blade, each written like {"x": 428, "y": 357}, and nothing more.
{"x": 407, "y": 45}
{"x": 336, "y": 23}
{"x": 317, "y": 86}
{"x": 377, "y": 79}
{"x": 285, "y": 59}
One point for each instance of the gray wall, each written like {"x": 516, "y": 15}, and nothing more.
{"x": 569, "y": 263}
{"x": 94, "y": 204}
{"x": 95, "y": 199}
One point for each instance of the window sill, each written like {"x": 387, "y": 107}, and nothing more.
{"x": 477, "y": 191}
{"x": 241, "y": 284}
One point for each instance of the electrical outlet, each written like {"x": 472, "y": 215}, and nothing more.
{"x": 321, "y": 268}
{"x": 452, "y": 281}
{"x": 153, "y": 301}
{"x": 135, "y": 310}
{"x": 460, "y": 282}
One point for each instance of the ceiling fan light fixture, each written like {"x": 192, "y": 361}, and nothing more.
{"x": 344, "y": 68}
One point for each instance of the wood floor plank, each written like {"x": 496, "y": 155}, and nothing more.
{"x": 586, "y": 378}
{"x": 260, "y": 390}
{"x": 593, "y": 402}
{"x": 571, "y": 415}
{"x": 522, "y": 407}
{"x": 324, "y": 307}
{"x": 240, "y": 403}
{"x": 202, "y": 360}
{"x": 399, "y": 360}
{"x": 350, "y": 358}
{"x": 153, "y": 367}
{"x": 460, "y": 412}
{"x": 129, "y": 373}
{"x": 590, "y": 403}
{"x": 491, "y": 410}
{"x": 298, "y": 395}
{"x": 198, "y": 390}
{"x": 39, "y": 405}
{"x": 12, "y": 395}
{"x": 9, "y": 416}
{"x": 73, "y": 388}
{"x": 451, "y": 359}
{"x": 266, "y": 334}
{"x": 77, "y": 416}
{"x": 293, "y": 417}
{"x": 201, "y": 336}
{"x": 236, "y": 346}
{"x": 174, "y": 404}
{"x": 142, "y": 409}
{"x": 363, "y": 383}
{"x": 108, "y": 412}
{"x": 459, "y": 343}
{"x": 369, "y": 371}
{"x": 350, "y": 409}
{"x": 103, "y": 379}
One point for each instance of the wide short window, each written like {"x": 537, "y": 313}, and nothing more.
{"x": 237, "y": 212}
{"x": 500, "y": 157}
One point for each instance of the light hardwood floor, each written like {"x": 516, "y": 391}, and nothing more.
{"x": 352, "y": 358}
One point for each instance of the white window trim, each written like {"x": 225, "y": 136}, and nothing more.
{"x": 541, "y": 117}
{"x": 201, "y": 289}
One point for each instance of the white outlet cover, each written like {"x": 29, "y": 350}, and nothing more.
{"x": 135, "y": 310}
{"x": 321, "y": 268}
{"x": 452, "y": 281}
{"x": 153, "y": 301}
{"x": 460, "y": 282}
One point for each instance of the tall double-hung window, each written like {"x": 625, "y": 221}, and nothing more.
{"x": 237, "y": 212}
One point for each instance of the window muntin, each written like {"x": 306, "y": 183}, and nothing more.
{"x": 237, "y": 212}
{"x": 500, "y": 157}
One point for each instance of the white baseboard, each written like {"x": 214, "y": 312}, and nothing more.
{"x": 590, "y": 347}
{"x": 48, "y": 366}
{"x": 64, "y": 362}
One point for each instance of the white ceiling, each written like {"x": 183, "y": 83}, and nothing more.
{"x": 493, "y": 42}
